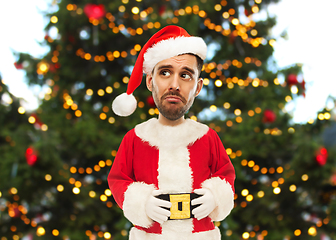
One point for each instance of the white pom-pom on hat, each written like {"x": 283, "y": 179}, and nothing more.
{"x": 124, "y": 105}
{"x": 170, "y": 41}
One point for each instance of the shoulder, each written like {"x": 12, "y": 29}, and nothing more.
{"x": 129, "y": 137}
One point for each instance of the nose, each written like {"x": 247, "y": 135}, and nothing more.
{"x": 174, "y": 83}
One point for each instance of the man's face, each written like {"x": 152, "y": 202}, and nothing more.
{"x": 175, "y": 84}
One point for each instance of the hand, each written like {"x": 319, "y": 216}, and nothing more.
{"x": 207, "y": 202}
{"x": 154, "y": 208}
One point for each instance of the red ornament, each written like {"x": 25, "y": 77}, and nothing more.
{"x": 303, "y": 85}
{"x": 94, "y": 11}
{"x": 321, "y": 156}
{"x": 31, "y": 156}
{"x": 232, "y": 38}
{"x": 38, "y": 123}
{"x": 13, "y": 211}
{"x": 150, "y": 101}
{"x": 18, "y": 65}
{"x": 52, "y": 68}
{"x": 269, "y": 116}
{"x": 71, "y": 39}
{"x": 292, "y": 79}
{"x": 333, "y": 179}
{"x": 162, "y": 10}
{"x": 57, "y": 65}
{"x": 247, "y": 12}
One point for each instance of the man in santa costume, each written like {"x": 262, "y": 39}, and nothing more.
{"x": 171, "y": 176}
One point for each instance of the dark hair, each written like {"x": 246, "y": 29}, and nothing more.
{"x": 200, "y": 63}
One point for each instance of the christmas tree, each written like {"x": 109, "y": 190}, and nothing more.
{"x": 55, "y": 161}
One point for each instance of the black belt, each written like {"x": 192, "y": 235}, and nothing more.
{"x": 181, "y": 204}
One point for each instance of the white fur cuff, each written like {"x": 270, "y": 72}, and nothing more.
{"x": 224, "y": 197}
{"x": 136, "y": 197}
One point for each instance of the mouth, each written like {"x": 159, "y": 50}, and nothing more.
{"x": 173, "y": 99}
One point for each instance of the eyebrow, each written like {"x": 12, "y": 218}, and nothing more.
{"x": 170, "y": 66}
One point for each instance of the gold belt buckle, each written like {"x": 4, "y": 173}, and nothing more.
{"x": 180, "y": 201}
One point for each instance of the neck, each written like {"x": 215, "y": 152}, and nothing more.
{"x": 165, "y": 121}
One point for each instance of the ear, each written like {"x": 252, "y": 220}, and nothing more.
{"x": 149, "y": 82}
{"x": 199, "y": 86}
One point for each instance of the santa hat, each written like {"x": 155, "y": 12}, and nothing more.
{"x": 169, "y": 42}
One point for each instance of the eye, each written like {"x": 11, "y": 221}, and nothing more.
{"x": 186, "y": 76}
{"x": 165, "y": 73}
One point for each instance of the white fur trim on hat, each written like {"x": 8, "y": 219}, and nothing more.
{"x": 124, "y": 105}
{"x": 173, "y": 47}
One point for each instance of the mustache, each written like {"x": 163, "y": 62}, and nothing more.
{"x": 174, "y": 93}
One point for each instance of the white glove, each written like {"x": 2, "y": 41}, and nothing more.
{"x": 207, "y": 202}
{"x": 154, "y": 208}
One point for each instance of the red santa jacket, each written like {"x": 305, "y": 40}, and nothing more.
{"x": 174, "y": 159}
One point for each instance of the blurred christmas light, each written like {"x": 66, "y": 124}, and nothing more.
{"x": 297, "y": 232}
{"x": 92, "y": 194}
{"x": 291, "y": 130}
{"x": 239, "y": 119}
{"x": 294, "y": 89}
{"x": 206, "y": 81}
{"x": 218, "y": 83}
{"x": 42, "y": 67}
{"x": 55, "y": 232}
{"x": 218, "y": 7}
{"x": 40, "y": 231}
{"x": 312, "y": 231}
{"x": 54, "y": 19}
{"x": 261, "y": 194}
{"x": 251, "y": 163}
{"x": 235, "y": 21}
{"x": 111, "y": 120}
{"x": 108, "y": 192}
{"x": 237, "y": 112}
{"x": 48, "y": 177}
{"x": 76, "y": 190}
{"x": 275, "y": 184}
{"x": 245, "y": 235}
{"x": 89, "y": 92}
{"x": 213, "y": 108}
{"x": 249, "y": 198}
{"x": 44, "y": 127}
{"x": 135, "y": 10}
{"x": 276, "y": 190}
{"x": 21, "y": 110}
{"x": 244, "y": 192}
{"x": 103, "y": 198}
{"x": 13, "y": 190}
{"x": 288, "y": 98}
{"x": 304, "y": 177}
{"x": 107, "y": 235}
{"x": 60, "y": 188}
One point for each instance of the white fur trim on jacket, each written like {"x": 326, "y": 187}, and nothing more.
{"x": 174, "y": 172}
{"x": 173, "y": 47}
{"x": 136, "y": 234}
{"x": 224, "y": 197}
{"x": 136, "y": 197}
{"x": 156, "y": 134}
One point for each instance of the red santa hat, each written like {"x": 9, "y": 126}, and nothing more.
{"x": 170, "y": 41}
